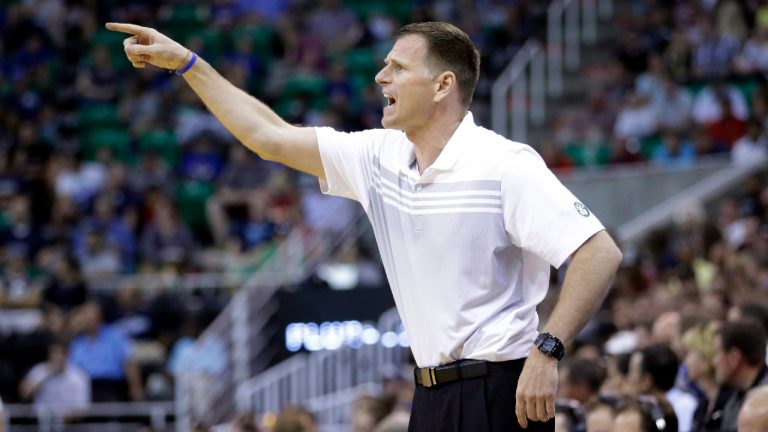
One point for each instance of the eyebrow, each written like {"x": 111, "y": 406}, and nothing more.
{"x": 389, "y": 59}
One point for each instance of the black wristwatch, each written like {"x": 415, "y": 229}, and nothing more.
{"x": 550, "y": 346}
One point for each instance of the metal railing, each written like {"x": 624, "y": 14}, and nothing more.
{"x": 159, "y": 415}
{"x": 232, "y": 348}
{"x": 569, "y": 24}
{"x": 525, "y": 77}
{"x": 711, "y": 186}
{"x": 326, "y": 382}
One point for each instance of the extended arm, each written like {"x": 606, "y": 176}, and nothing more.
{"x": 249, "y": 120}
{"x": 586, "y": 284}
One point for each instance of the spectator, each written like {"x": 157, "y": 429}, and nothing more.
{"x": 580, "y": 379}
{"x": 295, "y": 419}
{"x": 677, "y": 57}
{"x": 632, "y": 55}
{"x": 113, "y": 228}
{"x": 99, "y": 81}
{"x": 751, "y": 147}
{"x": 569, "y": 417}
{"x": 99, "y": 261}
{"x": 104, "y": 354}
{"x": 731, "y": 23}
{"x": 636, "y": 119}
{"x": 674, "y": 152}
{"x": 17, "y": 233}
{"x": 66, "y": 289}
{"x": 368, "y": 411}
{"x": 753, "y": 59}
{"x": 167, "y": 240}
{"x": 57, "y": 385}
{"x": 714, "y": 55}
{"x": 753, "y": 415}
{"x": 653, "y": 370}
{"x": 728, "y": 129}
{"x": 699, "y": 342}
{"x": 752, "y": 310}
{"x": 739, "y": 363}
{"x": 600, "y": 413}
{"x": 642, "y": 414}
{"x": 672, "y": 106}
{"x": 334, "y": 25}
{"x": 707, "y": 107}
{"x": 245, "y": 423}
{"x": 20, "y": 296}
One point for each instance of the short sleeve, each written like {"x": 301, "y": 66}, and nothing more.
{"x": 541, "y": 216}
{"x": 37, "y": 374}
{"x": 347, "y": 161}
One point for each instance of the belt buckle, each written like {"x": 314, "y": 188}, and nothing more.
{"x": 427, "y": 377}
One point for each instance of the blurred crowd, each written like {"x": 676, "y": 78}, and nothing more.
{"x": 679, "y": 345}
{"x": 116, "y": 184}
{"x": 108, "y": 172}
{"x": 686, "y": 79}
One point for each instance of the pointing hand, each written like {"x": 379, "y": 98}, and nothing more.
{"x": 149, "y": 46}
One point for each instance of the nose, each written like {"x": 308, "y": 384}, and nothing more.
{"x": 383, "y": 76}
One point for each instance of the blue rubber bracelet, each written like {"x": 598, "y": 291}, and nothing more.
{"x": 188, "y": 66}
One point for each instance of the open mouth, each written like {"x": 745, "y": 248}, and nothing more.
{"x": 390, "y": 101}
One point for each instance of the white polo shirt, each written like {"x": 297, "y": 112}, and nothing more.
{"x": 467, "y": 245}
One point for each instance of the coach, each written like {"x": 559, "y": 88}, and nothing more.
{"x": 467, "y": 223}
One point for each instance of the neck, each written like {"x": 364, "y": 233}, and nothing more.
{"x": 430, "y": 141}
{"x": 709, "y": 387}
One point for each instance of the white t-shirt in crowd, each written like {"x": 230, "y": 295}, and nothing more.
{"x": 63, "y": 392}
{"x": 467, "y": 245}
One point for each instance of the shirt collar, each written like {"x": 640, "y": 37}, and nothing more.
{"x": 450, "y": 153}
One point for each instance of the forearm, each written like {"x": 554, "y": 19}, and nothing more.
{"x": 586, "y": 284}
{"x": 249, "y": 120}
{"x": 133, "y": 376}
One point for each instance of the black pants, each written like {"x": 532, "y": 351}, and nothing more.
{"x": 484, "y": 404}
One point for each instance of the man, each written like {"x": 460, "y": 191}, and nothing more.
{"x": 753, "y": 415}
{"x": 653, "y": 370}
{"x": 739, "y": 364}
{"x": 57, "y": 385}
{"x": 104, "y": 353}
{"x": 581, "y": 379}
{"x": 642, "y": 414}
{"x": 467, "y": 223}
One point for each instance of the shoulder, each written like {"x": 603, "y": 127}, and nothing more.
{"x": 76, "y": 372}
{"x": 329, "y": 134}
{"x": 38, "y": 370}
{"x": 501, "y": 155}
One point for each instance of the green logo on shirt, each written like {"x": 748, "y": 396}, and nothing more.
{"x": 582, "y": 209}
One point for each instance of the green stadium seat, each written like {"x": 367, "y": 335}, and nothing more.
{"x": 361, "y": 61}
{"x": 99, "y": 116}
{"x": 649, "y": 144}
{"x": 162, "y": 142}
{"x": 191, "y": 197}
{"x": 116, "y": 139}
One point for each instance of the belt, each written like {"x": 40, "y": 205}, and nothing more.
{"x": 456, "y": 371}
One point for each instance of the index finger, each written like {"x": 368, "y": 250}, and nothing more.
{"x": 522, "y": 417}
{"x": 127, "y": 28}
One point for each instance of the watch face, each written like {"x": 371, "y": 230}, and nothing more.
{"x": 548, "y": 345}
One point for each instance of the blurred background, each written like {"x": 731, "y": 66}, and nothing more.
{"x": 157, "y": 276}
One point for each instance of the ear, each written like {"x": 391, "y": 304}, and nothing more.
{"x": 445, "y": 84}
